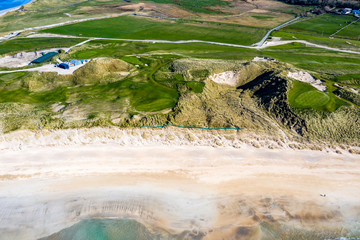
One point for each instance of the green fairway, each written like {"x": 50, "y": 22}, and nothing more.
{"x": 323, "y": 25}
{"x": 33, "y": 44}
{"x": 303, "y": 95}
{"x": 315, "y": 59}
{"x": 142, "y": 28}
{"x": 119, "y": 49}
{"x": 312, "y": 99}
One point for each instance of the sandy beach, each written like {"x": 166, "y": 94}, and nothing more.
{"x": 211, "y": 191}
{"x": 3, "y": 12}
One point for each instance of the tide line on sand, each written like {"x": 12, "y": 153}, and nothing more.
{"x": 191, "y": 127}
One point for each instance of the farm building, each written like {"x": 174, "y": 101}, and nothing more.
{"x": 64, "y": 66}
{"x": 45, "y": 58}
{"x": 346, "y": 11}
{"x": 356, "y": 13}
{"x": 72, "y": 63}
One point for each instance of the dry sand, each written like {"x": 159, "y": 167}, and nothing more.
{"x": 50, "y": 180}
{"x": 230, "y": 78}
{"x": 303, "y": 76}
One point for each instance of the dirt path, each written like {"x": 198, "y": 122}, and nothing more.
{"x": 260, "y": 44}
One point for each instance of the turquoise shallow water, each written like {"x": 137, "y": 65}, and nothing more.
{"x": 109, "y": 229}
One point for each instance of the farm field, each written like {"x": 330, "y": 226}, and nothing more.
{"x": 57, "y": 11}
{"x": 142, "y": 28}
{"x": 254, "y": 18}
{"x": 68, "y": 10}
{"x": 323, "y": 25}
{"x": 350, "y": 32}
{"x": 202, "y": 6}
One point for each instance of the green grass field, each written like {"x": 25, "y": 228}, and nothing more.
{"x": 33, "y": 44}
{"x": 141, "y": 28}
{"x": 323, "y": 25}
{"x": 351, "y": 32}
{"x": 45, "y": 12}
{"x": 326, "y": 41}
{"x": 303, "y": 95}
{"x": 262, "y": 17}
{"x": 195, "y": 6}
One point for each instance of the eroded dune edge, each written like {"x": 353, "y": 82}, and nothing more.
{"x": 189, "y": 184}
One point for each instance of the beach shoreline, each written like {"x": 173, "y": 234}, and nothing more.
{"x": 55, "y": 179}
{"x": 5, "y": 11}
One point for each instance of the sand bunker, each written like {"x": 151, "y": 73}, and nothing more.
{"x": 306, "y": 77}
{"x": 229, "y": 78}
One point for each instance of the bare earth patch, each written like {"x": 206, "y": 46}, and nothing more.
{"x": 229, "y": 78}
{"x": 303, "y": 76}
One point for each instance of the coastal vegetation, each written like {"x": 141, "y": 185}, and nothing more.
{"x": 160, "y": 89}
{"x": 134, "y": 83}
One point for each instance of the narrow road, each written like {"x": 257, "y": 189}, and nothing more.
{"x": 259, "y": 44}
{"x": 269, "y": 44}
{"x": 79, "y": 44}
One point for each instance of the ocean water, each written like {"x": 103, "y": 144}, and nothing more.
{"x": 110, "y": 229}
{"x": 6, "y": 4}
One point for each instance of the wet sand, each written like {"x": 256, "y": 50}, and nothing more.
{"x": 212, "y": 193}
